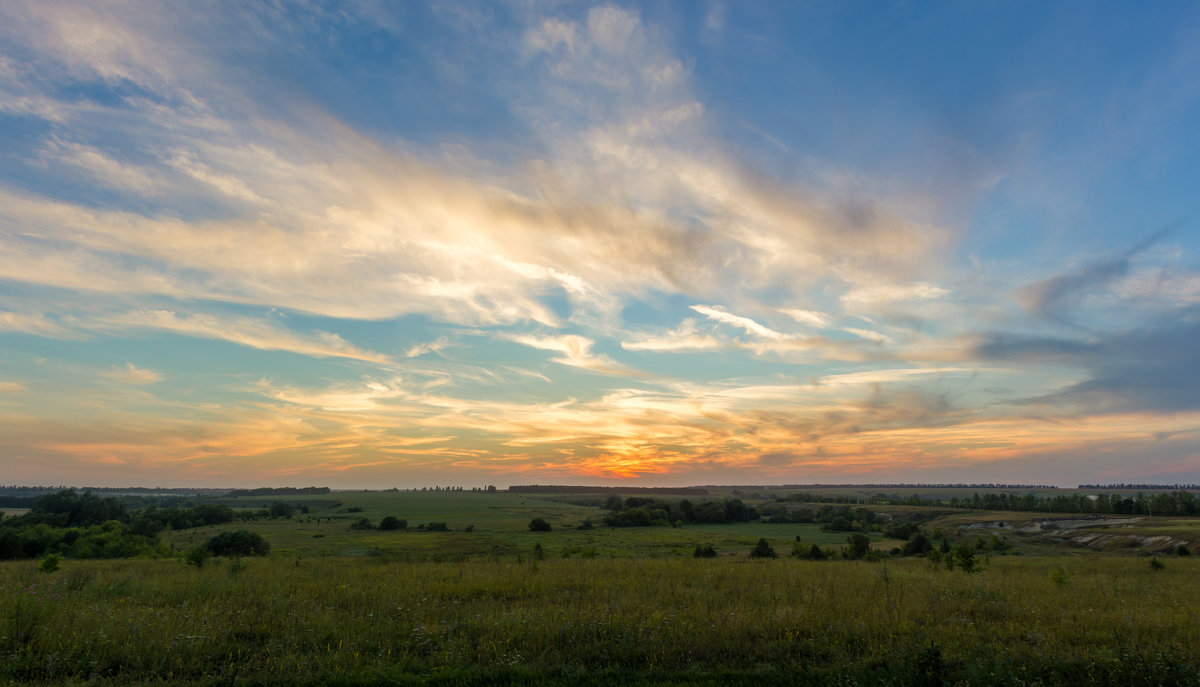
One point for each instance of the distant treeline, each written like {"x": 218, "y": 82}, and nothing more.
{"x": 1179, "y": 502}
{"x": 637, "y": 511}
{"x": 568, "y": 489}
{"x": 281, "y": 491}
{"x": 906, "y": 485}
{"x": 8, "y": 492}
{"x": 90, "y": 526}
{"x": 1148, "y": 487}
{"x": 86, "y": 525}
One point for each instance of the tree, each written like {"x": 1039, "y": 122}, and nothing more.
{"x": 239, "y": 543}
{"x": 859, "y": 544}
{"x": 964, "y": 557}
{"x": 763, "y": 549}
{"x": 838, "y": 524}
{"x": 279, "y": 509}
{"x": 539, "y": 525}
{"x": 688, "y": 510}
{"x": 917, "y": 545}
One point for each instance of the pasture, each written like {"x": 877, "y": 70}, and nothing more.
{"x": 503, "y": 605}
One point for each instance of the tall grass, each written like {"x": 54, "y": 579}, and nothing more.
{"x": 1101, "y": 621}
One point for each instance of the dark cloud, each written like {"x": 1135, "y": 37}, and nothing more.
{"x": 1052, "y": 298}
{"x": 1155, "y": 368}
{"x": 779, "y": 459}
{"x": 1000, "y": 346}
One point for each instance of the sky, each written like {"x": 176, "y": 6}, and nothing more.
{"x": 375, "y": 244}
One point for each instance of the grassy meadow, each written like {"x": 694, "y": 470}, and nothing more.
{"x": 332, "y": 605}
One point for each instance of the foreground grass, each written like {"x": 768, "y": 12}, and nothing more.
{"x": 575, "y": 621}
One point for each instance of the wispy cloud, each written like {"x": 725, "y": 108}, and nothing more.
{"x": 34, "y": 323}
{"x": 813, "y": 318}
{"x": 428, "y": 347}
{"x": 132, "y": 374}
{"x": 685, "y": 337}
{"x": 875, "y": 296}
{"x": 870, "y": 335}
{"x": 577, "y": 352}
{"x": 750, "y": 326}
{"x": 245, "y": 331}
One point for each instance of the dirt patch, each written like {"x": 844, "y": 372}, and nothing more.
{"x": 1068, "y": 525}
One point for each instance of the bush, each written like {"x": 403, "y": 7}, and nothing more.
{"x": 239, "y": 543}
{"x": 539, "y": 525}
{"x": 917, "y": 545}
{"x": 586, "y": 524}
{"x": 362, "y": 524}
{"x": 763, "y": 549}
{"x": 1155, "y": 564}
{"x": 816, "y": 554}
{"x": 705, "y": 551}
{"x": 50, "y": 563}
{"x": 1060, "y": 576}
{"x": 391, "y": 522}
{"x": 198, "y": 556}
{"x": 964, "y": 557}
{"x": 437, "y": 527}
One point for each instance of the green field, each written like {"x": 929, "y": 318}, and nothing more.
{"x": 605, "y": 605}
{"x": 500, "y": 527}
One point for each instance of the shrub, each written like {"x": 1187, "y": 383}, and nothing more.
{"x": 1060, "y": 576}
{"x": 50, "y": 563}
{"x": 763, "y": 549}
{"x": 917, "y": 545}
{"x": 539, "y": 525}
{"x": 1155, "y": 564}
{"x": 437, "y": 527}
{"x": 239, "y": 543}
{"x": 816, "y": 554}
{"x": 198, "y": 556}
{"x": 964, "y": 557}
{"x": 391, "y": 522}
{"x": 362, "y": 524}
{"x": 704, "y": 551}
{"x": 586, "y": 524}
{"x": 1182, "y": 550}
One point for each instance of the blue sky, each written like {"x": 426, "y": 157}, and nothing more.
{"x": 405, "y": 244}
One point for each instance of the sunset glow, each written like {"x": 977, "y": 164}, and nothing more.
{"x": 664, "y": 244}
